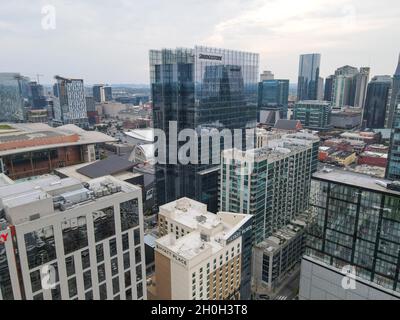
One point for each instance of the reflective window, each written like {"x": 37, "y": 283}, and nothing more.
{"x": 74, "y": 234}
{"x": 40, "y": 247}
{"x": 129, "y": 214}
{"x": 104, "y": 225}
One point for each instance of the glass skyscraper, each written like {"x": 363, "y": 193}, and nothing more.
{"x": 273, "y": 100}
{"x": 395, "y": 95}
{"x": 11, "y": 97}
{"x": 307, "y": 85}
{"x": 377, "y": 102}
{"x": 393, "y": 166}
{"x": 200, "y": 88}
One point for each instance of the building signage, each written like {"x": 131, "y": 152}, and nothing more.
{"x": 206, "y": 56}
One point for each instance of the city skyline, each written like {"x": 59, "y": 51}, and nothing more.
{"x": 340, "y": 31}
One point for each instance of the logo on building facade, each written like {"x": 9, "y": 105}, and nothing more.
{"x": 210, "y": 57}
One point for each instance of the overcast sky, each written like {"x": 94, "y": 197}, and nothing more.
{"x": 107, "y": 41}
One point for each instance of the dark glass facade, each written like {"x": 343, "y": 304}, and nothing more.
{"x": 273, "y": 96}
{"x": 358, "y": 226}
{"x": 393, "y": 167}
{"x": 307, "y": 85}
{"x": 200, "y": 88}
{"x": 376, "y": 103}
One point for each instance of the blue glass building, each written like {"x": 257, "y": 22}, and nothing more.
{"x": 307, "y": 85}
{"x": 273, "y": 100}
{"x": 200, "y": 88}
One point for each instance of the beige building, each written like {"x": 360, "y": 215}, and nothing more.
{"x": 200, "y": 254}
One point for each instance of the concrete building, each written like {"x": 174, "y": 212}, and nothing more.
{"x": 277, "y": 256}
{"x": 71, "y": 103}
{"x": 313, "y": 114}
{"x": 89, "y": 235}
{"x": 270, "y": 183}
{"x": 346, "y": 118}
{"x": 201, "y": 255}
{"x": 28, "y": 150}
{"x": 355, "y": 230}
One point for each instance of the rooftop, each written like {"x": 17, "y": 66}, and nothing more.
{"x": 354, "y": 179}
{"x": 209, "y": 231}
{"x": 26, "y": 137}
{"x": 141, "y": 134}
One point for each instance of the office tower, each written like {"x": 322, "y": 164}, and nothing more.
{"x": 328, "y": 88}
{"x": 271, "y": 183}
{"x": 393, "y": 165}
{"x": 350, "y": 87}
{"x": 90, "y": 104}
{"x": 307, "y": 86}
{"x": 360, "y": 87}
{"x": 201, "y": 88}
{"x": 377, "y": 102}
{"x": 89, "y": 234}
{"x": 320, "y": 94}
{"x": 108, "y": 93}
{"x": 11, "y": 97}
{"x": 267, "y": 75}
{"x": 37, "y": 99}
{"x": 355, "y": 230}
{"x": 201, "y": 255}
{"x": 394, "y": 95}
{"x": 273, "y": 100}
{"x": 71, "y": 105}
{"x": 102, "y": 93}
{"x": 315, "y": 115}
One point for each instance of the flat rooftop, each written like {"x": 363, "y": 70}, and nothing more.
{"x": 354, "y": 179}
{"x": 26, "y": 137}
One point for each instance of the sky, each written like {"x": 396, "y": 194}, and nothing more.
{"x": 105, "y": 41}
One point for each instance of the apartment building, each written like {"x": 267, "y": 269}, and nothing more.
{"x": 68, "y": 240}
{"x": 201, "y": 255}
{"x": 270, "y": 183}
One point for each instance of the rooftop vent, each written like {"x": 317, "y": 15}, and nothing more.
{"x": 182, "y": 204}
{"x": 201, "y": 219}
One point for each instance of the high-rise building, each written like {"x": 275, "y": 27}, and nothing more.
{"x": 377, "y": 102}
{"x": 267, "y": 75}
{"x": 86, "y": 238}
{"x": 200, "y": 88}
{"x": 313, "y": 114}
{"x": 394, "y": 96}
{"x": 349, "y": 87}
{"x": 320, "y": 93}
{"x": 273, "y": 100}
{"x": 102, "y": 93}
{"x": 71, "y": 105}
{"x": 201, "y": 255}
{"x": 393, "y": 165}
{"x": 328, "y": 88}
{"x": 355, "y": 235}
{"x": 307, "y": 85}
{"x": 271, "y": 183}
{"x": 11, "y": 97}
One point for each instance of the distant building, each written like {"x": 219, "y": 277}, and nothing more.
{"x": 11, "y": 97}
{"x": 309, "y": 68}
{"x": 90, "y": 234}
{"x": 267, "y": 75}
{"x": 349, "y": 87}
{"x": 313, "y": 114}
{"x": 71, "y": 104}
{"x": 328, "y": 88}
{"x": 395, "y": 96}
{"x": 102, "y": 93}
{"x": 377, "y": 102}
{"x": 346, "y": 118}
{"x": 201, "y": 255}
{"x": 393, "y": 168}
{"x": 273, "y": 100}
{"x": 288, "y": 126}
{"x": 28, "y": 150}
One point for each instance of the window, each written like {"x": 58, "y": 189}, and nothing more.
{"x": 104, "y": 225}
{"x": 113, "y": 247}
{"x": 129, "y": 214}
{"x": 89, "y": 295}
{"x": 138, "y": 257}
{"x": 136, "y": 235}
{"x": 40, "y": 247}
{"x": 87, "y": 279}
{"x": 125, "y": 242}
{"x": 126, "y": 260}
{"x": 115, "y": 282}
{"x": 35, "y": 281}
{"x": 85, "y": 259}
{"x": 114, "y": 266}
{"x": 128, "y": 279}
{"x": 73, "y": 291}
{"x": 139, "y": 290}
{"x": 74, "y": 234}
{"x": 103, "y": 291}
{"x": 101, "y": 271}
{"x": 70, "y": 265}
{"x": 99, "y": 253}
{"x": 56, "y": 293}
{"x": 139, "y": 273}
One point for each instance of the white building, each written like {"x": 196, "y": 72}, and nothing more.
{"x": 202, "y": 256}
{"x": 89, "y": 234}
